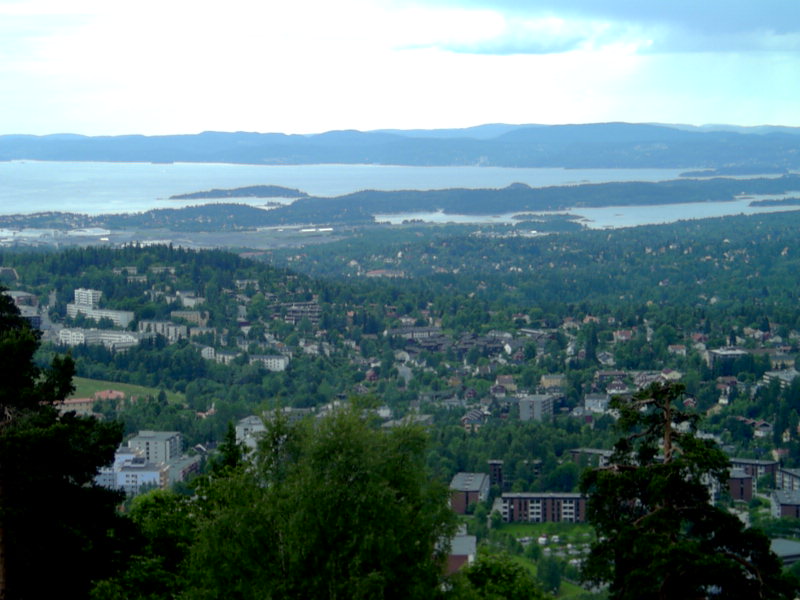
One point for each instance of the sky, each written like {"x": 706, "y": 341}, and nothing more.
{"x": 153, "y": 67}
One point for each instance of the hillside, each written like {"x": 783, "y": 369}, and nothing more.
{"x": 600, "y": 145}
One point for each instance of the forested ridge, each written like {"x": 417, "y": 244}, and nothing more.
{"x": 595, "y": 145}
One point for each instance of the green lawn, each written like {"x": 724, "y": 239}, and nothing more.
{"x": 571, "y": 532}
{"x": 86, "y": 388}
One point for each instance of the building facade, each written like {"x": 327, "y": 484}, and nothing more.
{"x": 542, "y": 507}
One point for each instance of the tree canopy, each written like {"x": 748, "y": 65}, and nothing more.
{"x": 53, "y": 519}
{"x": 658, "y": 534}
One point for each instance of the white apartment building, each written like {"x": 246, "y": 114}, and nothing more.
{"x": 158, "y": 446}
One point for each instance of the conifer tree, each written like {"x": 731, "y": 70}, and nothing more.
{"x": 658, "y": 534}
{"x": 57, "y": 529}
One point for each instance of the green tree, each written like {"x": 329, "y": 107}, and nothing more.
{"x": 497, "y": 576}
{"x": 230, "y": 454}
{"x": 156, "y": 569}
{"x": 658, "y": 536}
{"x": 331, "y": 509}
{"x": 548, "y": 572}
{"x": 58, "y": 530}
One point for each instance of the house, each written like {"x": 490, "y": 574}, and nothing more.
{"x": 467, "y": 489}
{"x": 606, "y": 359}
{"x": 463, "y": 549}
{"x": 507, "y": 381}
{"x": 624, "y": 335}
{"x": 555, "y": 381}
{"x": 596, "y": 403}
{"x": 677, "y": 349}
{"x": 473, "y": 420}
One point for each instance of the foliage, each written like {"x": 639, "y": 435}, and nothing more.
{"x": 335, "y": 509}
{"x": 658, "y": 534}
{"x": 53, "y": 518}
{"x": 496, "y": 576}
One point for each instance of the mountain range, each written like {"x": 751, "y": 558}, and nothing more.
{"x": 723, "y": 149}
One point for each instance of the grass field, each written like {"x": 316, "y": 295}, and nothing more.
{"x": 571, "y": 532}
{"x": 86, "y": 388}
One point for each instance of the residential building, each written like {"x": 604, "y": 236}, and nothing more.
{"x": 248, "y": 430}
{"x": 785, "y": 503}
{"x": 172, "y": 331}
{"x": 787, "y": 479}
{"x": 131, "y": 472}
{"x": 543, "y": 507}
{"x": 784, "y": 377}
{"x": 120, "y": 318}
{"x": 496, "y": 473}
{"x": 473, "y": 420}
{"x": 467, "y": 489}
{"x": 740, "y": 485}
{"x": 112, "y": 339}
{"x": 756, "y": 468}
{"x": 463, "y": 549}
{"x": 536, "y": 407}
{"x": 596, "y": 403}
{"x": 273, "y": 362}
{"x": 158, "y": 446}
{"x": 86, "y": 297}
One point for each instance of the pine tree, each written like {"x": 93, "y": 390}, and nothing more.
{"x": 658, "y": 534}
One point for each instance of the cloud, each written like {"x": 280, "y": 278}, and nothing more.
{"x": 675, "y": 26}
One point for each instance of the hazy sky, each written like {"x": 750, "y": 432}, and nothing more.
{"x": 302, "y": 66}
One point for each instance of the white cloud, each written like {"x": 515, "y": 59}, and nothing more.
{"x": 312, "y": 65}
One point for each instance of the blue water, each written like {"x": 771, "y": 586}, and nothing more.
{"x": 100, "y": 188}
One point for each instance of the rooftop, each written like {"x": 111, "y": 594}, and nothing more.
{"x": 469, "y": 482}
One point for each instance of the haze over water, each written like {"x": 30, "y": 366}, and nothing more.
{"x": 102, "y": 188}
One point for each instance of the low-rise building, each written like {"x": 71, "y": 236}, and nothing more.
{"x": 273, "y": 362}
{"x": 543, "y": 507}
{"x": 467, "y": 489}
{"x": 740, "y": 485}
{"x": 536, "y": 407}
{"x": 785, "y": 503}
{"x": 113, "y": 339}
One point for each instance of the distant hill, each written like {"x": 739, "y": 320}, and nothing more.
{"x": 600, "y": 145}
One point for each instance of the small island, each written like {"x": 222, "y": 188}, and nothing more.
{"x": 794, "y": 201}
{"x": 253, "y": 191}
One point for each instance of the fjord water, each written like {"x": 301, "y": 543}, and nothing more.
{"x": 101, "y": 188}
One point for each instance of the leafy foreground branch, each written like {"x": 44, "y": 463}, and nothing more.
{"x": 658, "y": 534}
{"x": 330, "y": 508}
{"x": 58, "y": 531}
